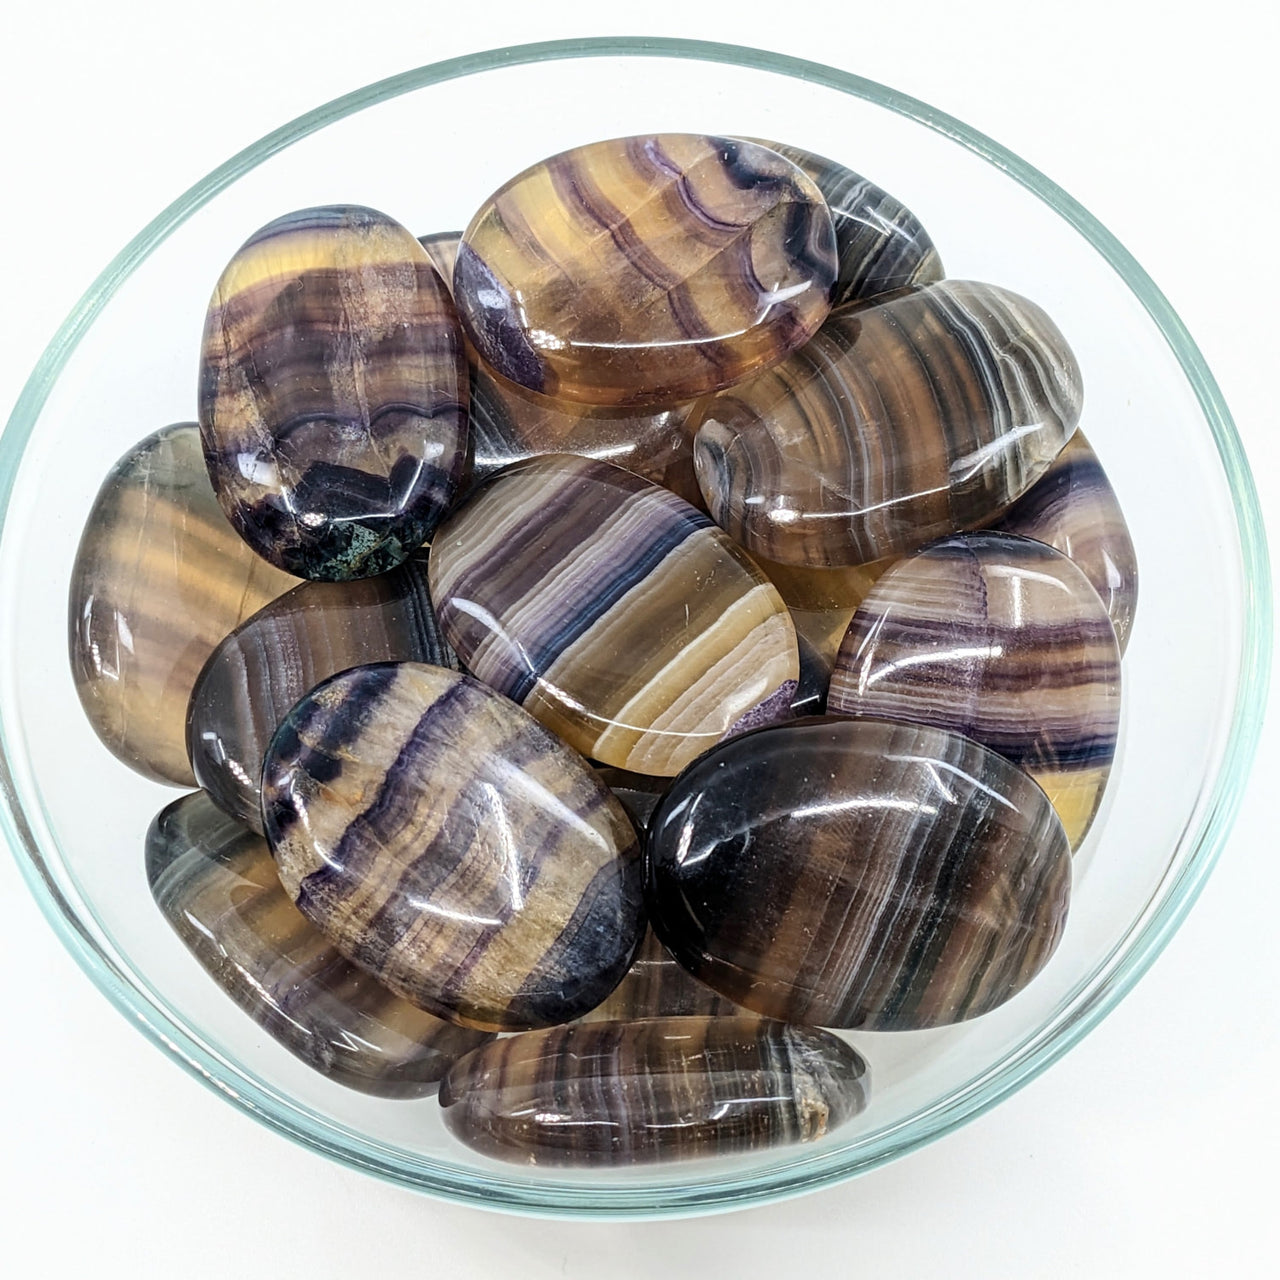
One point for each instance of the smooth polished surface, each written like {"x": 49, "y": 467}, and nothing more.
{"x": 1004, "y": 640}
{"x": 881, "y": 244}
{"x": 447, "y": 843}
{"x": 857, "y": 873}
{"x": 217, "y": 886}
{"x": 159, "y": 578}
{"x": 263, "y": 667}
{"x": 333, "y": 393}
{"x": 1074, "y": 508}
{"x": 618, "y": 1093}
{"x": 902, "y": 421}
{"x": 646, "y": 270}
{"x": 613, "y": 611}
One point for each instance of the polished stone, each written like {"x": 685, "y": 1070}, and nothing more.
{"x": 263, "y": 667}
{"x": 216, "y": 884}
{"x": 1074, "y": 508}
{"x": 625, "y": 1093}
{"x": 646, "y": 270}
{"x": 159, "y": 578}
{"x": 1001, "y": 639}
{"x": 858, "y": 873}
{"x": 656, "y": 986}
{"x": 881, "y": 244}
{"x": 333, "y": 393}
{"x": 613, "y": 611}
{"x": 902, "y": 421}
{"x": 638, "y": 793}
{"x": 443, "y": 840}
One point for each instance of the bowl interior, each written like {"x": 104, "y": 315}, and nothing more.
{"x": 427, "y": 148}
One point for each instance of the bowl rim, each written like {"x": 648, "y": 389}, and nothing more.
{"x": 1128, "y": 960}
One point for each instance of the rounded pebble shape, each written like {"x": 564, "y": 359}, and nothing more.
{"x": 159, "y": 578}
{"x": 333, "y": 393}
{"x": 646, "y": 270}
{"x": 858, "y": 873}
{"x": 627, "y": 1093}
{"x": 1003, "y": 640}
{"x": 1074, "y": 509}
{"x": 216, "y": 884}
{"x": 904, "y": 420}
{"x": 268, "y": 662}
{"x": 613, "y": 611}
{"x": 444, "y": 841}
{"x": 881, "y": 244}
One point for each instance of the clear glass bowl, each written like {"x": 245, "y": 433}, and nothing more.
{"x": 427, "y": 146}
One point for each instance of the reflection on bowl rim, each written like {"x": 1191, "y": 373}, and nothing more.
{"x": 1087, "y": 1004}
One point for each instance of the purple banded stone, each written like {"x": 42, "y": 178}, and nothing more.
{"x": 646, "y": 270}
{"x": 1004, "y": 640}
{"x": 333, "y": 393}
{"x": 448, "y": 844}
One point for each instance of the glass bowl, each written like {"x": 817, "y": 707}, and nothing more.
{"x": 427, "y": 146}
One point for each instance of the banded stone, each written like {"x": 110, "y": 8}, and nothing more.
{"x": 444, "y": 841}
{"x": 858, "y": 873}
{"x": 268, "y": 662}
{"x": 1001, "y": 639}
{"x": 159, "y": 578}
{"x": 333, "y": 393}
{"x": 626, "y": 1093}
{"x": 904, "y": 420}
{"x": 216, "y": 884}
{"x": 646, "y": 270}
{"x": 613, "y": 611}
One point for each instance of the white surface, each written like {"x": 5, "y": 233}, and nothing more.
{"x": 1148, "y": 1150}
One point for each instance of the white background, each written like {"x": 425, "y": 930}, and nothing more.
{"x": 1151, "y": 1149}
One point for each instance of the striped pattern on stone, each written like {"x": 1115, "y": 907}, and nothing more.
{"x": 263, "y": 667}
{"x": 626, "y": 1093}
{"x": 613, "y": 611}
{"x": 159, "y": 578}
{"x": 216, "y": 884}
{"x": 1001, "y": 639}
{"x": 444, "y": 841}
{"x": 646, "y": 270}
{"x": 333, "y": 393}
{"x": 858, "y": 873}
{"x": 1074, "y": 508}
{"x": 902, "y": 421}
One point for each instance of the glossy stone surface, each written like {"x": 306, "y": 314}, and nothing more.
{"x": 613, "y": 611}
{"x": 638, "y": 793}
{"x": 263, "y": 667}
{"x": 333, "y": 393}
{"x": 881, "y": 244}
{"x": 902, "y": 421}
{"x": 503, "y": 895}
{"x": 646, "y": 270}
{"x": 442, "y": 249}
{"x": 619, "y": 1093}
{"x": 858, "y": 873}
{"x": 1001, "y": 639}
{"x": 216, "y": 884}
{"x": 1074, "y": 508}
{"x": 159, "y": 578}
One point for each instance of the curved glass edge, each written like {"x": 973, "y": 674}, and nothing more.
{"x": 1050, "y": 1043}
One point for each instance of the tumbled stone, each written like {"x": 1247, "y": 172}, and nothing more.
{"x": 613, "y": 611}
{"x": 625, "y": 1093}
{"x": 1074, "y": 508}
{"x": 333, "y": 393}
{"x": 646, "y": 270}
{"x": 858, "y": 873}
{"x": 442, "y": 249}
{"x": 902, "y": 421}
{"x": 216, "y": 884}
{"x": 268, "y": 662}
{"x": 159, "y": 578}
{"x": 1001, "y": 639}
{"x": 444, "y": 841}
{"x": 638, "y": 793}
{"x": 881, "y": 244}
